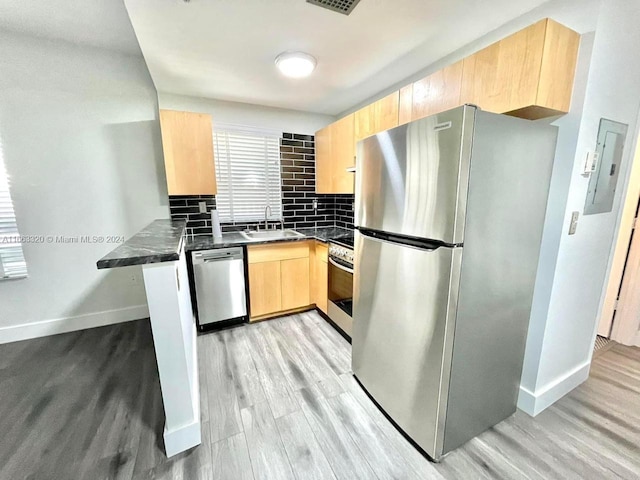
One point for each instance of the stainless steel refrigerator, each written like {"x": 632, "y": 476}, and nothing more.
{"x": 449, "y": 217}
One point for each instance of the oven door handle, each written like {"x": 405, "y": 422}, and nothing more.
{"x": 341, "y": 267}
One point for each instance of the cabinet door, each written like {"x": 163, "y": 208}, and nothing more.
{"x": 295, "y": 283}
{"x": 319, "y": 276}
{"x": 323, "y": 160}
{"x": 322, "y": 285}
{"x": 504, "y": 76}
{"x": 405, "y": 104}
{"x": 377, "y": 117}
{"x": 342, "y": 155}
{"x": 438, "y": 92}
{"x": 187, "y": 142}
{"x": 363, "y": 123}
{"x": 385, "y": 112}
{"x": 558, "y": 68}
{"x": 265, "y": 288}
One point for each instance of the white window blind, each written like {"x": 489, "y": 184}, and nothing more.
{"x": 248, "y": 173}
{"x": 12, "y": 263}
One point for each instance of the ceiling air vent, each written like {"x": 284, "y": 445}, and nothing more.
{"x": 340, "y": 6}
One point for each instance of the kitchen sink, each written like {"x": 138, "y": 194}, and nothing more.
{"x": 271, "y": 234}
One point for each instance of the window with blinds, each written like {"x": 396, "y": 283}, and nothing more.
{"x": 248, "y": 173}
{"x": 12, "y": 263}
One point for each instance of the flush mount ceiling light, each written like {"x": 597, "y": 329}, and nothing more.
{"x": 295, "y": 64}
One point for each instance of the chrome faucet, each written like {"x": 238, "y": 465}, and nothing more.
{"x": 266, "y": 216}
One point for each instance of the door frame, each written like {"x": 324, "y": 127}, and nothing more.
{"x": 620, "y": 314}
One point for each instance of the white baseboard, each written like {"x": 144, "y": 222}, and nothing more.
{"x": 535, "y": 402}
{"x": 44, "y": 328}
{"x": 182, "y": 439}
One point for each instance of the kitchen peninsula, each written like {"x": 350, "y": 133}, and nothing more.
{"x": 159, "y": 248}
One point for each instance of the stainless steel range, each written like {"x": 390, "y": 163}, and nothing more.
{"x": 341, "y": 286}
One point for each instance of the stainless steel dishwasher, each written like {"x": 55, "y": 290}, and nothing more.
{"x": 220, "y": 286}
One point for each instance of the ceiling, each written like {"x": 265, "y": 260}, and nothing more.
{"x": 98, "y": 23}
{"x": 225, "y": 49}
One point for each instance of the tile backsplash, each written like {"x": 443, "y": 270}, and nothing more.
{"x": 188, "y": 207}
{"x": 297, "y": 169}
{"x": 344, "y": 211}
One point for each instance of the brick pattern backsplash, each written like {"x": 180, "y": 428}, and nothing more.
{"x": 344, "y": 211}
{"x": 298, "y": 169}
{"x": 188, "y": 207}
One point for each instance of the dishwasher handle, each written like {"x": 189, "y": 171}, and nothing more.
{"x": 217, "y": 255}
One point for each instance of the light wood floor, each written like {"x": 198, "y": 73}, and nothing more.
{"x": 279, "y": 402}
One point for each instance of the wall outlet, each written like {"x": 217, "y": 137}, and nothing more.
{"x": 203, "y": 207}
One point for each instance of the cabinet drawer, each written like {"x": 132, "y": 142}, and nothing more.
{"x": 278, "y": 251}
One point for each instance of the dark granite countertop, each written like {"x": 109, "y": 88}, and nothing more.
{"x": 160, "y": 241}
{"x": 234, "y": 239}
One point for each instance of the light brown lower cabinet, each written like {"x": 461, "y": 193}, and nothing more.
{"x": 265, "y": 288}
{"x": 295, "y": 283}
{"x": 320, "y": 278}
{"x": 285, "y": 277}
{"x": 279, "y": 278}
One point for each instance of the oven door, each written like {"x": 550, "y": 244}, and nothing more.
{"x": 341, "y": 294}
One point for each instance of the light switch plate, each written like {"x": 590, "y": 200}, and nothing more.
{"x": 591, "y": 163}
{"x": 574, "y": 223}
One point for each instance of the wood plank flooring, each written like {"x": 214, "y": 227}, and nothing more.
{"x": 279, "y": 402}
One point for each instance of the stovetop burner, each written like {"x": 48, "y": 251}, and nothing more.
{"x": 347, "y": 241}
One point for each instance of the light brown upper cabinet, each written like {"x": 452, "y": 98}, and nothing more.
{"x": 377, "y": 117}
{"x": 406, "y": 100}
{"x": 438, "y": 92}
{"x": 528, "y": 74}
{"x": 335, "y": 153}
{"x": 343, "y": 154}
{"x": 323, "y": 160}
{"x": 187, "y": 141}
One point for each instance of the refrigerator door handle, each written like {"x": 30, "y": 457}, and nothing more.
{"x": 411, "y": 242}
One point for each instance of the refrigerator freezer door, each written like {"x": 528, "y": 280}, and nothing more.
{"x": 404, "y": 304}
{"x": 412, "y": 180}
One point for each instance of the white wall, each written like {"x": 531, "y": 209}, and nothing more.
{"x": 236, "y": 113}
{"x": 613, "y": 92}
{"x": 81, "y": 143}
{"x": 572, "y": 269}
{"x": 554, "y": 228}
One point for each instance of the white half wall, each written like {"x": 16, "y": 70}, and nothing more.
{"x": 81, "y": 142}
{"x": 237, "y": 113}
